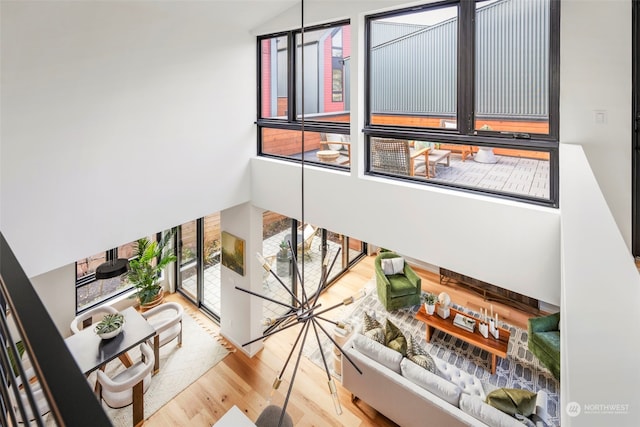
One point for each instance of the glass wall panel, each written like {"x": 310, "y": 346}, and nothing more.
{"x": 355, "y": 249}
{"x": 326, "y": 59}
{"x": 276, "y": 231}
{"x": 512, "y": 171}
{"x": 273, "y": 79}
{"x": 413, "y": 68}
{"x": 323, "y": 148}
{"x": 512, "y": 66}
{"x": 188, "y": 247}
{"x": 87, "y": 266}
{"x": 211, "y": 260}
{"x": 91, "y": 291}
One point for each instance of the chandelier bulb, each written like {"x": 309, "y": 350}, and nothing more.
{"x": 334, "y": 396}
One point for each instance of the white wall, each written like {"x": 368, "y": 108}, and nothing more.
{"x": 120, "y": 119}
{"x": 601, "y": 292}
{"x": 513, "y": 245}
{"x": 241, "y": 313}
{"x": 56, "y": 290}
{"x": 595, "y": 74}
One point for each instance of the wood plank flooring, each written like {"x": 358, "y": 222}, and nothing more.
{"x": 246, "y": 382}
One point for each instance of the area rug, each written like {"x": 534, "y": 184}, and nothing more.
{"x": 521, "y": 369}
{"x": 179, "y": 367}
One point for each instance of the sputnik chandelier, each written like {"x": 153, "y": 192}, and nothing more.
{"x": 306, "y": 312}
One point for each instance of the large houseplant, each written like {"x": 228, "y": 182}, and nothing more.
{"x": 144, "y": 270}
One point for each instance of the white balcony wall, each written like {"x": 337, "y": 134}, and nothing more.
{"x": 513, "y": 245}
{"x": 120, "y": 119}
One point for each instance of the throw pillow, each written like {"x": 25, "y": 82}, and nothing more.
{"x": 376, "y": 334}
{"x": 394, "y": 339}
{"x": 369, "y": 322}
{"x": 398, "y": 265}
{"x": 387, "y": 266}
{"x": 513, "y": 401}
{"x": 391, "y": 266}
{"x": 372, "y": 329}
{"x": 489, "y": 415}
{"x": 419, "y": 355}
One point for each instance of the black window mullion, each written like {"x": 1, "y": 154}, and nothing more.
{"x": 466, "y": 67}
{"x": 291, "y": 77}
{"x": 554, "y": 70}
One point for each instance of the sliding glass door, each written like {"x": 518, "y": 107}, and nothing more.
{"x": 310, "y": 244}
{"x": 198, "y": 275}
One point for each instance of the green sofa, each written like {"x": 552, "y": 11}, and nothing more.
{"x": 397, "y": 290}
{"x": 544, "y": 341}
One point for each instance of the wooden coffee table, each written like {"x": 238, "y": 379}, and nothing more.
{"x": 496, "y": 347}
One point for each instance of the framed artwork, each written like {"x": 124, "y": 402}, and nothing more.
{"x": 233, "y": 252}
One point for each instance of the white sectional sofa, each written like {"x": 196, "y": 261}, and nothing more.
{"x": 412, "y": 396}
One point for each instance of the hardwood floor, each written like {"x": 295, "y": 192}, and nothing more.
{"x": 246, "y": 382}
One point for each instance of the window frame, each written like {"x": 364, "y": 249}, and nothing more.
{"x": 110, "y": 254}
{"x": 465, "y": 98}
{"x": 292, "y": 121}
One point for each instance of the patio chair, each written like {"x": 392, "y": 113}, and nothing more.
{"x": 308, "y": 235}
{"x": 395, "y": 156}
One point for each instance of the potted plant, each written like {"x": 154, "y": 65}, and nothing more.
{"x": 429, "y": 300}
{"x": 110, "y": 326}
{"x": 283, "y": 259}
{"x": 144, "y": 270}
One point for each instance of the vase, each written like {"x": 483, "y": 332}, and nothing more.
{"x": 430, "y": 308}
{"x": 159, "y": 299}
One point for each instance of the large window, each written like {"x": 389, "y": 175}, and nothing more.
{"x": 91, "y": 291}
{"x": 303, "y": 81}
{"x": 474, "y": 85}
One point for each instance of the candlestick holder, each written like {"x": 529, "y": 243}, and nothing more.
{"x": 496, "y": 333}
{"x": 484, "y": 330}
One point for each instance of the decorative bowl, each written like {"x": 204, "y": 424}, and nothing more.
{"x": 108, "y": 335}
{"x": 109, "y": 326}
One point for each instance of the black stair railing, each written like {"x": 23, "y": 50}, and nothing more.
{"x": 24, "y": 322}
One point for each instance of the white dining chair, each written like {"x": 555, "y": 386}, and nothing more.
{"x": 41, "y": 404}
{"x": 117, "y": 392}
{"x": 166, "y": 319}
{"x": 94, "y": 315}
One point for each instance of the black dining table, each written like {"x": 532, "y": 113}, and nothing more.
{"x": 92, "y": 352}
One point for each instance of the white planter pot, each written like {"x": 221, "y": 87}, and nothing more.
{"x": 430, "y": 308}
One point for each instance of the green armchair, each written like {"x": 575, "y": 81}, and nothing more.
{"x": 397, "y": 290}
{"x": 544, "y": 341}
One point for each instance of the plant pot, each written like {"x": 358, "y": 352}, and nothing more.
{"x": 283, "y": 264}
{"x": 108, "y": 335}
{"x": 159, "y": 299}
{"x": 430, "y": 308}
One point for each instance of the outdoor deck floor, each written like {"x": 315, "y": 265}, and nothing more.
{"x": 513, "y": 175}
{"x": 270, "y": 285}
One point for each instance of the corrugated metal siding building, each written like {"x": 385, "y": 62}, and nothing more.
{"x": 413, "y": 67}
